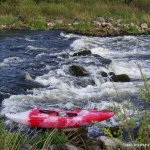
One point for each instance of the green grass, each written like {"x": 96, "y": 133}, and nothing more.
{"x": 16, "y": 141}
{"x": 70, "y": 10}
{"x": 7, "y": 20}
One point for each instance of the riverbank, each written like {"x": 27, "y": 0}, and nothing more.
{"x": 98, "y": 18}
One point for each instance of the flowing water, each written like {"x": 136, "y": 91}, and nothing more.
{"x": 47, "y": 56}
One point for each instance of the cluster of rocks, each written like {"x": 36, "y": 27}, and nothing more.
{"x": 140, "y": 28}
{"x": 100, "y": 26}
{"x": 79, "y": 71}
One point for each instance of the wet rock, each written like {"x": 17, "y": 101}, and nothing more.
{"x": 103, "y": 74}
{"x": 102, "y": 60}
{"x": 144, "y": 26}
{"x": 27, "y": 77}
{"x": 78, "y": 71}
{"x": 119, "y": 78}
{"x": 82, "y": 53}
{"x": 28, "y": 82}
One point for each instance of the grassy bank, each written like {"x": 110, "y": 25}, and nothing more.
{"x": 73, "y": 15}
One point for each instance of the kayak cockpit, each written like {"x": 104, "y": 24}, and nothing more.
{"x": 59, "y": 113}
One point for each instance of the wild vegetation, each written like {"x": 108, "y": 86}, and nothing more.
{"x": 35, "y": 14}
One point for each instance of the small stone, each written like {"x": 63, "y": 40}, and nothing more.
{"x": 3, "y": 26}
{"x": 50, "y": 24}
{"x": 76, "y": 23}
{"x": 144, "y": 26}
{"x": 100, "y": 19}
{"x": 96, "y": 23}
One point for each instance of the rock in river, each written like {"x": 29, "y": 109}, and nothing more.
{"x": 82, "y": 53}
{"x": 78, "y": 71}
{"x": 119, "y": 78}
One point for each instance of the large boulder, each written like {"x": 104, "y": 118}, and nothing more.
{"x": 78, "y": 71}
{"x": 119, "y": 78}
{"x": 82, "y": 53}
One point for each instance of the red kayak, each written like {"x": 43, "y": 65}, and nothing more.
{"x": 59, "y": 118}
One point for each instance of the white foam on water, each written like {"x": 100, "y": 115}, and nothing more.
{"x": 29, "y": 39}
{"x": 68, "y": 36}
{"x": 131, "y": 68}
{"x": 10, "y": 61}
{"x": 33, "y": 48}
{"x": 61, "y": 88}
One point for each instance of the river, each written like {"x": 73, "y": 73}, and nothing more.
{"x": 47, "y": 56}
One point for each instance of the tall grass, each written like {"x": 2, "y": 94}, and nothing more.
{"x": 43, "y": 140}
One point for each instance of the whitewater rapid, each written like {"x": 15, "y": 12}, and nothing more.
{"x": 61, "y": 89}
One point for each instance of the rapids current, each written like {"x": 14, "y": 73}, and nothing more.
{"x": 47, "y": 56}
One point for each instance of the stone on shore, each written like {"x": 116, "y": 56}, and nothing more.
{"x": 144, "y": 26}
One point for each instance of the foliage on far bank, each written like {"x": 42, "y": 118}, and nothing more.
{"x": 36, "y": 14}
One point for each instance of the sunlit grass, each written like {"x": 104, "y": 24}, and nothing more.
{"x": 81, "y": 10}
